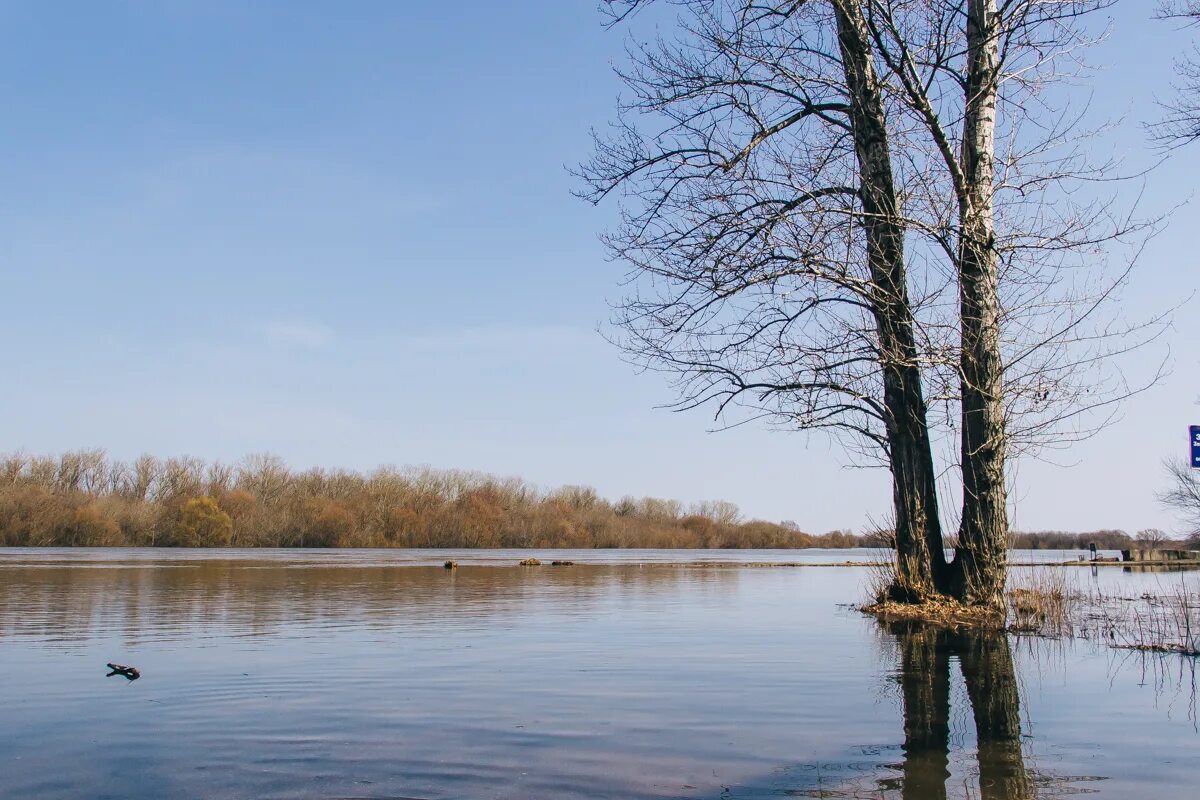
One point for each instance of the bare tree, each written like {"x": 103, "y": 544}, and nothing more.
{"x": 180, "y": 478}
{"x": 43, "y": 470}
{"x": 120, "y": 478}
{"x": 1183, "y": 496}
{"x": 12, "y": 467}
{"x": 1036, "y": 343}
{"x": 764, "y": 212}
{"x": 1181, "y": 124}
{"x": 93, "y": 471}
{"x": 920, "y": 553}
{"x": 263, "y": 475}
{"x": 839, "y": 210}
{"x": 971, "y": 57}
{"x": 70, "y": 471}
{"x": 983, "y": 534}
{"x": 147, "y": 474}
{"x": 218, "y": 478}
{"x": 1151, "y": 538}
{"x": 721, "y": 512}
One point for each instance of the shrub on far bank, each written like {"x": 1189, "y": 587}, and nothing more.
{"x": 202, "y": 523}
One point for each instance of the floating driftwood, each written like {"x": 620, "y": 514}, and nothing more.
{"x": 129, "y": 673}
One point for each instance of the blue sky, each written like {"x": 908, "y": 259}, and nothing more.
{"x": 343, "y": 233}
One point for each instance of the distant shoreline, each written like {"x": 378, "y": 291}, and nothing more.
{"x": 536, "y": 559}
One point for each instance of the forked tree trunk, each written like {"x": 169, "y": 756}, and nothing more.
{"x": 921, "y": 559}
{"x": 981, "y": 564}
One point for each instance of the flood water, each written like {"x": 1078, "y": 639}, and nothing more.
{"x": 371, "y": 675}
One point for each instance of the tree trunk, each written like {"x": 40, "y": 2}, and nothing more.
{"x": 920, "y": 556}
{"x": 981, "y": 562}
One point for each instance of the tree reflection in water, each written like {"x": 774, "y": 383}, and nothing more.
{"x": 986, "y": 662}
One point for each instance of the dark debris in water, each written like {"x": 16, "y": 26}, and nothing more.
{"x": 128, "y": 673}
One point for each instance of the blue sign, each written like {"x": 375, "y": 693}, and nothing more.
{"x": 1194, "y": 435}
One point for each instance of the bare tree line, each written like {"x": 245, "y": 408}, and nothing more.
{"x": 85, "y": 498}
{"x": 878, "y": 219}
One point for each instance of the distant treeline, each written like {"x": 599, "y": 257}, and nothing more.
{"x": 86, "y": 499}
{"x": 1062, "y": 540}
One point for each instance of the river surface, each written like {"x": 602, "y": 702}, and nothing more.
{"x": 370, "y": 674}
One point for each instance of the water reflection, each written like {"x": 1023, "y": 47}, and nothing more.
{"x": 66, "y": 605}
{"x": 350, "y": 677}
{"x": 986, "y": 663}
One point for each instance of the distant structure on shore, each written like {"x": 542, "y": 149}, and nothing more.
{"x": 1161, "y": 556}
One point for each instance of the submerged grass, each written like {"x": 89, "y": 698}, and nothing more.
{"x": 1042, "y": 601}
{"x": 1161, "y": 622}
{"x": 1049, "y": 602}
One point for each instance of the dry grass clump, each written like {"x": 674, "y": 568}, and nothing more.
{"x": 894, "y": 599}
{"x": 1042, "y": 601}
{"x": 940, "y": 612}
{"x": 886, "y": 585}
